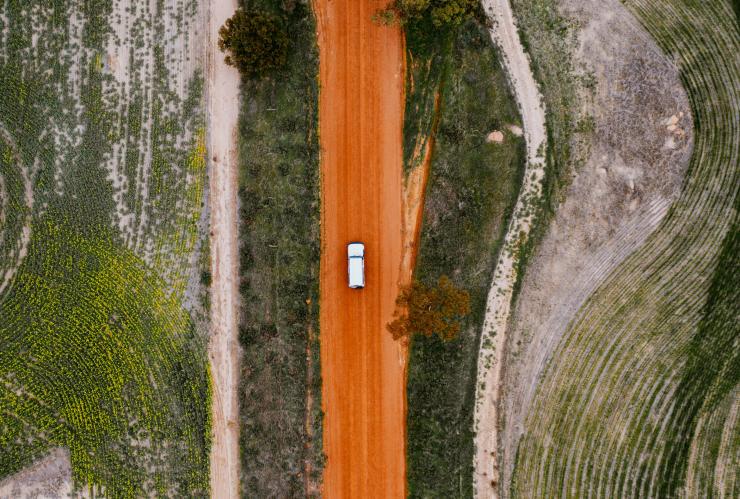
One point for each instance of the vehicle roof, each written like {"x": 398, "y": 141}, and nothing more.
{"x": 356, "y": 277}
{"x": 355, "y": 249}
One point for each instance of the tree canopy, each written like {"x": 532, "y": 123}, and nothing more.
{"x": 442, "y": 13}
{"x": 430, "y": 310}
{"x": 256, "y": 42}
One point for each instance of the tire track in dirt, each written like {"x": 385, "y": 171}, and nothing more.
{"x": 223, "y": 114}
{"x": 361, "y": 117}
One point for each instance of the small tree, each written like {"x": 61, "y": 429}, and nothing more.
{"x": 256, "y": 42}
{"x": 442, "y": 13}
{"x": 426, "y": 310}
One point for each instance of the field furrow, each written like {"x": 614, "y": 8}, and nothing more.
{"x": 651, "y": 349}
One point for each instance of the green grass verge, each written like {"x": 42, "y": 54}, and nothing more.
{"x": 427, "y": 60}
{"x": 280, "y": 254}
{"x": 471, "y": 192}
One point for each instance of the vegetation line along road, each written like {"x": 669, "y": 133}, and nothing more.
{"x": 280, "y": 439}
{"x": 223, "y": 113}
{"x": 529, "y": 100}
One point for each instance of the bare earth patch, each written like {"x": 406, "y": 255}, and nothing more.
{"x": 223, "y": 114}
{"x": 49, "y": 477}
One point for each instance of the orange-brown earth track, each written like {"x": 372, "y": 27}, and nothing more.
{"x": 361, "y": 118}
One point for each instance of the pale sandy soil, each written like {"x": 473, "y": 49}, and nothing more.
{"x": 48, "y": 478}
{"x": 15, "y": 257}
{"x": 223, "y": 114}
{"x": 529, "y": 100}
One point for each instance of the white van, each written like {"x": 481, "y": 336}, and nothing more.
{"x": 356, "y": 265}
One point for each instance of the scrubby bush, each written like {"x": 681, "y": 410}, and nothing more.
{"x": 442, "y": 13}
{"x": 430, "y": 310}
{"x": 255, "y": 42}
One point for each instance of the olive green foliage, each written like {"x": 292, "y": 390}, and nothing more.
{"x": 442, "y": 13}
{"x": 471, "y": 193}
{"x": 84, "y": 330}
{"x": 279, "y": 268}
{"x": 430, "y": 310}
{"x": 98, "y": 352}
{"x": 255, "y": 40}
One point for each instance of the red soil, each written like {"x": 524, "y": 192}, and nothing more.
{"x": 361, "y": 118}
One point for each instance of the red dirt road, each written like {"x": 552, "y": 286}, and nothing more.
{"x": 361, "y": 118}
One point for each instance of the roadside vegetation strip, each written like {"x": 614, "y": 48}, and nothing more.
{"x": 279, "y": 267}
{"x": 427, "y": 61}
{"x": 501, "y": 292}
{"x": 649, "y": 356}
{"x": 549, "y": 41}
{"x": 99, "y": 352}
{"x": 471, "y": 192}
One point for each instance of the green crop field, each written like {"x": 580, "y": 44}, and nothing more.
{"x": 641, "y": 397}
{"x": 102, "y": 187}
{"x": 471, "y": 192}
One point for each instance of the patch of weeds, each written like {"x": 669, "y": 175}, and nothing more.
{"x": 549, "y": 39}
{"x": 112, "y": 364}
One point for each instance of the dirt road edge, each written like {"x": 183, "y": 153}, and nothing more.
{"x": 517, "y": 65}
{"x": 222, "y": 94}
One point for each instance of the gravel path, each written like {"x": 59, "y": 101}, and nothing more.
{"x": 529, "y": 100}
{"x": 223, "y": 114}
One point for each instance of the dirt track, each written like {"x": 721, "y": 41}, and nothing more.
{"x": 223, "y": 114}
{"x": 493, "y": 337}
{"x": 361, "y": 114}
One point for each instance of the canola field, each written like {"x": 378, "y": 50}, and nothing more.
{"x": 102, "y": 193}
{"x": 641, "y": 397}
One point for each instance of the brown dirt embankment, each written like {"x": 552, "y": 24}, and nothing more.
{"x": 414, "y": 190}
{"x": 361, "y": 117}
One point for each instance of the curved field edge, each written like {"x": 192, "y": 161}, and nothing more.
{"x": 280, "y": 381}
{"x": 616, "y": 409}
{"x": 638, "y": 151}
{"x": 470, "y": 195}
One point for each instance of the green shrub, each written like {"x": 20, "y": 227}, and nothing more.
{"x": 256, "y": 42}
{"x": 442, "y": 13}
